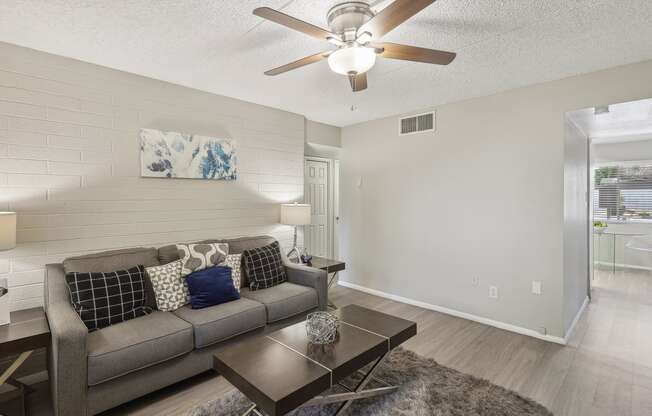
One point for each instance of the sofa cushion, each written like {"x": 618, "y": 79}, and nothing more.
{"x": 240, "y": 244}
{"x": 136, "y": 344}
{"x": 220, "y": 322}
{"x": 108, "y": 261}
{"x": 284, "y": 300}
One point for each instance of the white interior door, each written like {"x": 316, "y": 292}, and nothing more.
{"x": 317, "y": 234}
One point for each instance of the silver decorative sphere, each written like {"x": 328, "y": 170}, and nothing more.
{"x": 321, "y": 327}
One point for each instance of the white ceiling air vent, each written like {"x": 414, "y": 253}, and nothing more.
{"x": 416, "y": 124}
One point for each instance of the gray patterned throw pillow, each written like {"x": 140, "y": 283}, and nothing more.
{"x": 200, "y": 256}
{"x": 170, "y": 289}
{"x": 234, "y": 261}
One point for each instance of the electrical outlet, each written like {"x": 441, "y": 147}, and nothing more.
{"x": 536, "y": 287}
{"x": 475, "y": 281}
{"x": 493, "y": 292}
{"x": 543, "y": 330}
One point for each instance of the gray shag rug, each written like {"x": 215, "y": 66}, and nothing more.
{"x": 427, "y": 389}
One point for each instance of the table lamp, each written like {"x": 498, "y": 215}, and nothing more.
{"x": 7, "y": 230}
{"x": 295, "y": 214}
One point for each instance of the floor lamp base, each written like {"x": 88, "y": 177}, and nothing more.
{"x": 295, "y": 249}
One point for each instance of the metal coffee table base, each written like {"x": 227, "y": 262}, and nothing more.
{"x": 348, "y": 397}
{"x": 330, "y": 283}
{"x": 252, "y": 411}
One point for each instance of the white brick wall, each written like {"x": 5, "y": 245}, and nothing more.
{"x": 70, "y": 164}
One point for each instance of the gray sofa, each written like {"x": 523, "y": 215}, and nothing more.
{"x": 93, "y": 372}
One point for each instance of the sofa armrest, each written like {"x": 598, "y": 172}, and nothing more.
{"x": 67, "y": 353}
{"x": 311, "y": 277}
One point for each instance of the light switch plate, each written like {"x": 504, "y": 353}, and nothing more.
{"x": 493, "y": 292}
{"x": 536, "y": 287}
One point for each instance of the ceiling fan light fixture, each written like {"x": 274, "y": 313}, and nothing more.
{"x": 352, "y": 60}
{"x": 364, "y": 38}
{"x": 356, "y": 29}
{"x": 335, "y": 41}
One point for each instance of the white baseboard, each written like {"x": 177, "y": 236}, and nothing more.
{"x": 459, "y": 314}
{"x": 571, "y": 329}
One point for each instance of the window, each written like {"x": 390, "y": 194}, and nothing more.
{"x": 623, "y": 192}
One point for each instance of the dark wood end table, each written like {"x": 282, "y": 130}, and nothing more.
{"x": 28, "y": 331}
{"x": 332, "y": 267}
{"x": 282, "y": 371}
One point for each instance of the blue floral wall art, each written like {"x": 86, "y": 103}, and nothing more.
{"x": 168, "y": 154}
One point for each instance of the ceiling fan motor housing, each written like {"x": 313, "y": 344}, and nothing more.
{"x": 344, "y": 19}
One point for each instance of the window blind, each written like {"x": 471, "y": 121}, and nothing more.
{"x": 623, "y": 192}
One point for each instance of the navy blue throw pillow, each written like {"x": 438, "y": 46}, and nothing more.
{"x": 211, "y": 286}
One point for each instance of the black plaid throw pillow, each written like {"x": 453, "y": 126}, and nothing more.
{"x": 103, "y": 299}
{"x": 264, "y": 266}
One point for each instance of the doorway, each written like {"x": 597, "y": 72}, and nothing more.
{"x": 321, "y": 179}
{"x": 619, "y": 192}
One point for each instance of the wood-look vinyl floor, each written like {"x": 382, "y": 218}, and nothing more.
{"x": 605, "y": 370}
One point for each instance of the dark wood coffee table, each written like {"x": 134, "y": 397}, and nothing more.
{"x": 282, "y": 371}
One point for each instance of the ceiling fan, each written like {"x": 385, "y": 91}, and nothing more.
{"x": 355, "y": 29}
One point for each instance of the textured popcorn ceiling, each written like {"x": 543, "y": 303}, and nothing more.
{"x": 219, "y": 46}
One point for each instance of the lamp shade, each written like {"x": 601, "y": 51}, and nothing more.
{"x": 356, "y": 60}
{"x": 295, "y": 214}
{"x": 7, "y": 230}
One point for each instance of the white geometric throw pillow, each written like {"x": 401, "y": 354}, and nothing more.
{"x": 234, "y": 262}
{"x": 201, "y": 256}
{"x": 170, "y": 289}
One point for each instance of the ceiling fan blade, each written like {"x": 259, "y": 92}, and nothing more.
{"x": 298, "y": 64}
{"x": 392, "y": 16}
{"x": 296, "y": 24}
{"x": 358, "y": 82}
{"x": 413, "y": 53}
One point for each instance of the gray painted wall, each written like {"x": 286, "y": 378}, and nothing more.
{"x": 323, "y": 134}
{"x": 607, "y": 152}
{"x": 69, "y": 164}
{"x": 576, "y": 220}
{"x": 318, "y": 150}
{"x": 482, "y": 196}
{"x": 323, "y": 140}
